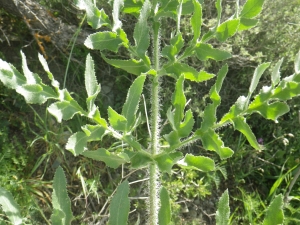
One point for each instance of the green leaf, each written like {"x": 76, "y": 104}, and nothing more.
{"x": 36, "y": 93}
{"x": 65, "y": 110}
{"x": 94, "y": 132}
{"x": 96, "y": 18}
{"x": 91, "y": 84}
{"x": 276, "y": 73}
{"x": 10, "y": 207}
{"x": 297, "y": 63}
{"x": 270, "y": 111}
{"x": 60, "y": 198}
{"x": 139, "y": 159}
{"x": 218, "y": 85}
{"x": 218, "y": 5}
{"x": 120, "y": 205}
{"x": 206, "y": 51}
{"x": 168, "y": 8}
{"x": 117, "y": 5}
{"x": 223, "y": 212}
{"x": 170, "y": 51}
{"x": 274, "y": 214}
{"x": 257, "y": 75}
{"x": 209, "y": 117}
{"x": 10, "y": 76}
{"x": 131, "y": 104}
{"x": 141, "y": 31}
{"x": 202, "y": 163}
{"x": 227, "y": 29}
{"x": 132, "y": 142}
{"x": 211, "y": 141}
{"x": 246, "y": 24}
{"x": 131, "y": 66}
{"x": 189, "y": 72}
{"x": 196, "y": 20}
{"x": 111, "y": 159}
{"x": 172, "y": 138}
{"x": 103, "y": 40}
{"x": 187, "y": 125}
{"x": 241, "y": 125}
{"x": 31, "y": 78}
{"x": 251, "y": 8}
{"x": 235, "y": 110}
{"x": 164, "y": 214}
{"x": 77, "y": 143}
{"x": 178, "y": 101}
{"x": 117, "y": 121}
{"x": 132, "y": 7}
{"x": 166, "y": 161}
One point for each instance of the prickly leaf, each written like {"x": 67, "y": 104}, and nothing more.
{"x": 141, "y": 31}
{"x": 178, "y": 101}
{"x": 10, "y": 207}
{"x": 117, "y": 121}
{"x": 187, "y": 125}
{"x": 189, "y": 72}
{"x": 131, "y": 104}
{"x": 166, "y": 161}
{"x": 164, "y": 214}
{"x": 274, "y": 214}
{"x": 246, "y": 24}
{"x": 223, "y": 212}
{"x": 117, "y": 5}
{"x": 211, "y": 141}
{"x": 139, "y": 159}
{"x": 241, "y": 125}
{"x": 257, "y": 75}
{"x": 276, "y": 73}
{"x": 227, "y": 29}
{"x": 112, "y": 160}
{"x": 60, "y": 199}
{"x": 103, "y": 40}
{"x": 206, "y": 51}
{"x": 251, "y": 8}
{"x": 202, "y": 163}
{"x": 170, "y": 51}
{"x": 196, "y": 20}
{"x": 77, "y": 143}
{"x": 119, "y": 206}
{"x": 96, "y": 18}
{"x": 65, "y": 110}
{"x": 136, "y": 67}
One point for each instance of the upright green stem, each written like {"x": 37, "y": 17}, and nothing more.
{"x": 155, "y": 117}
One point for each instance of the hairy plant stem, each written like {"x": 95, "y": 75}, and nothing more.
{"x": 153, "y": 181}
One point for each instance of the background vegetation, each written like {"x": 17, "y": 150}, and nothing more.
{"x": 32, "y": 143}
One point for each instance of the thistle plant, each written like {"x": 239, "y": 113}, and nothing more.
{"x": 151, "y": 61}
